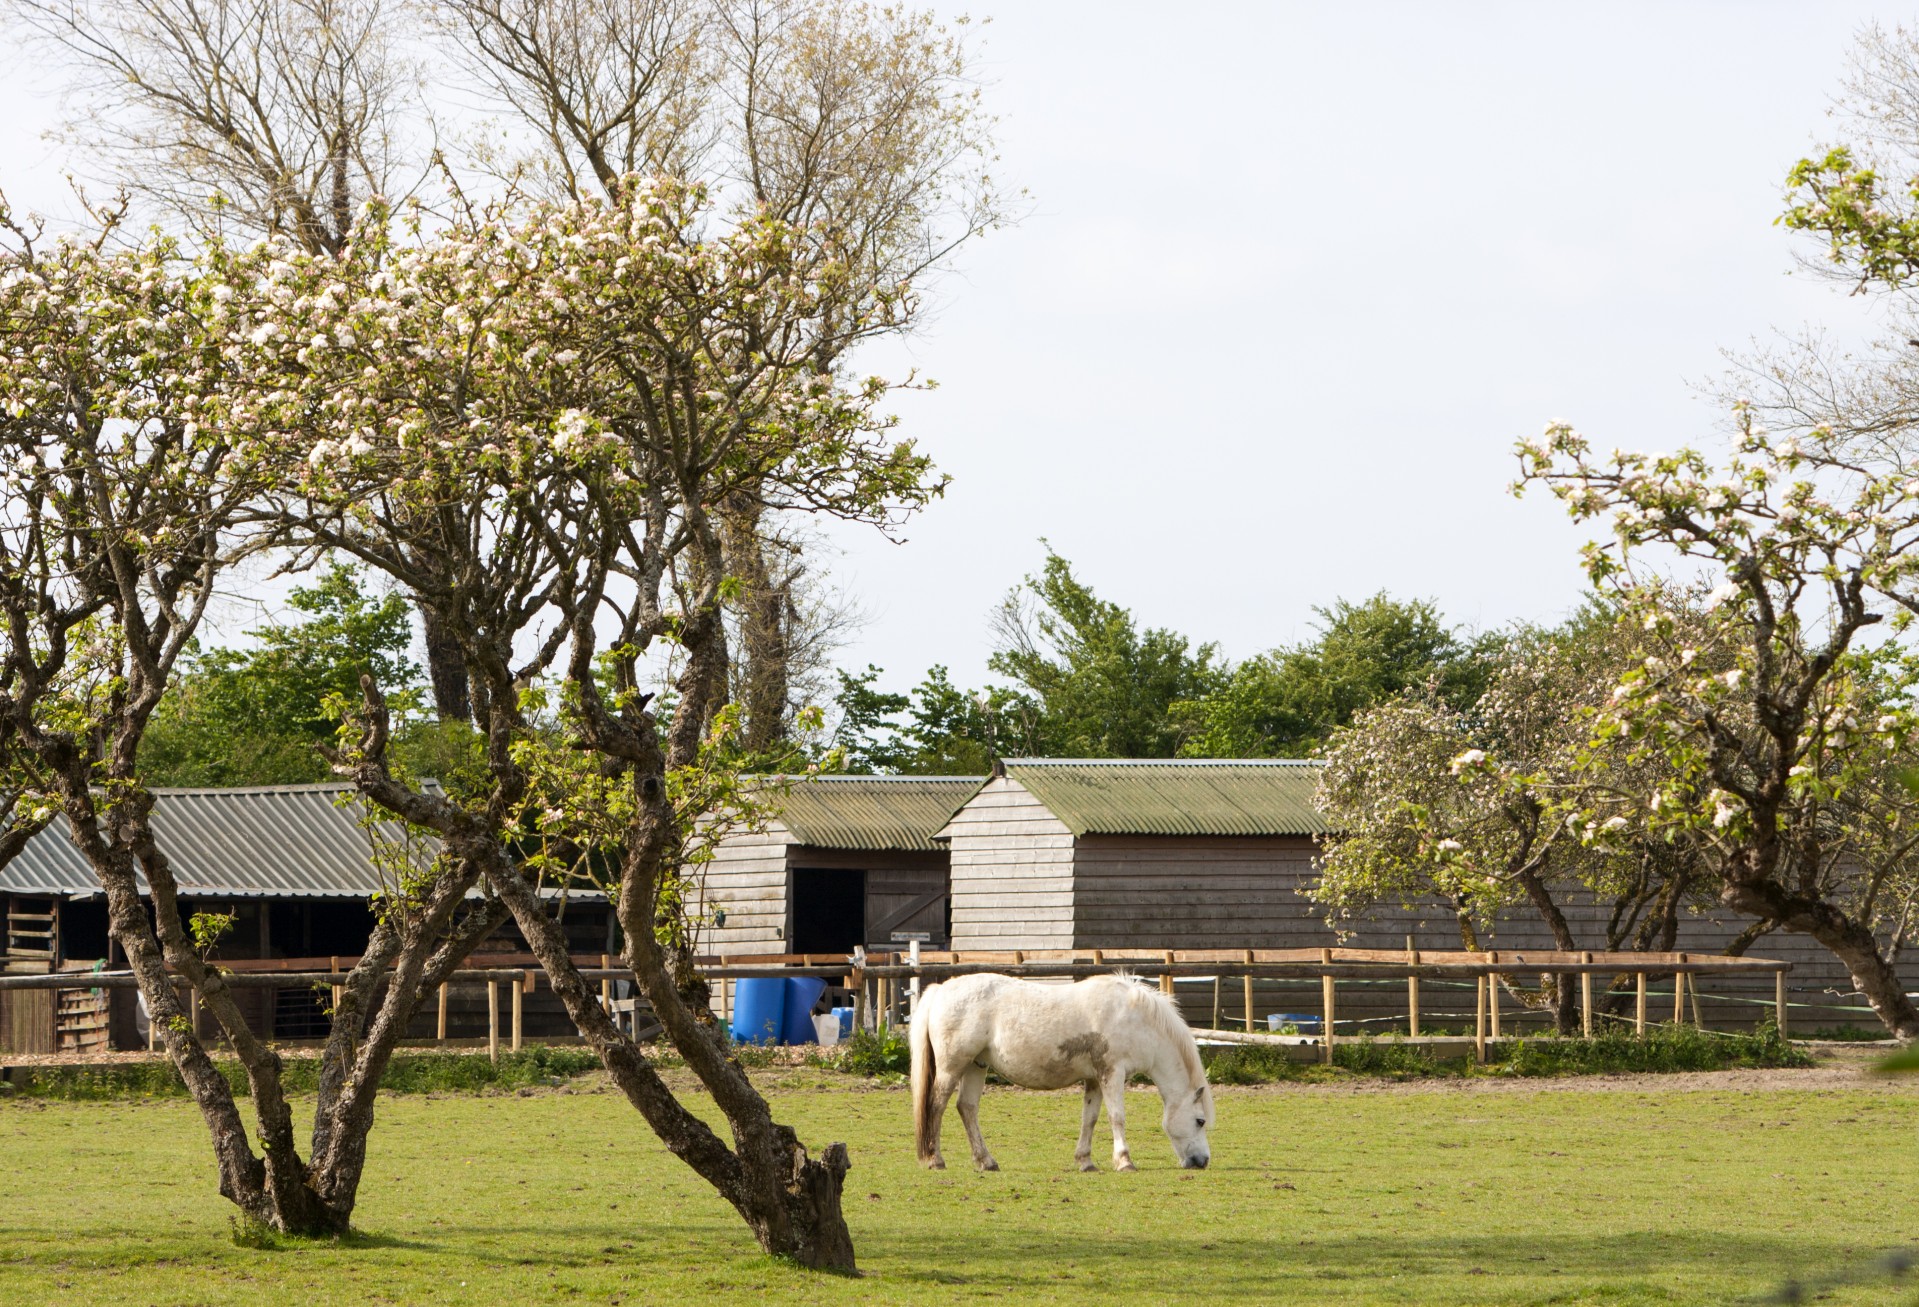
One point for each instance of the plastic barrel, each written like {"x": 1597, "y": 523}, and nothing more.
{"x": 802, "y": 992}
{"x": 759, "y": 1010}
{"x": 845, "y": 1016}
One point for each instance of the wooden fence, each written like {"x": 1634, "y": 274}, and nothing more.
{"x": 885, "y": 986}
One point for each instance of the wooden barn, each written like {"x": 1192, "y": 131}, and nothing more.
{"x": 1190, "y": 854}
{"x": 850, "y": 861}
{"x": 295, "y": 868}
{"x": 1063, "y": 853}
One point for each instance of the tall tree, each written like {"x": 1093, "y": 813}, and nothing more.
{"x": 1104, "y": 688}
{"x": 1286, "y": 703}
{"x": 859, "y": 126}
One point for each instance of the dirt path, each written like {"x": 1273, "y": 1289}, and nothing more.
{"x": 1840, "y": 1067}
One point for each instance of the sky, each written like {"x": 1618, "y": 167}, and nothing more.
{"x": 1291, "y": 281}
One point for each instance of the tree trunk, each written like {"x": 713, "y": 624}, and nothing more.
{"x": 789, "y": 1201}
{"x": 1849, "y": 941}
{"x": 446, "y": 668}
{"x": 1561, "y": 994}
{"x": 764, "y": 657}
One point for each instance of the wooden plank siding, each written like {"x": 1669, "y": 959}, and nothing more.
{"x": 1012, "y": 872}
{"x": 748, "y": 879}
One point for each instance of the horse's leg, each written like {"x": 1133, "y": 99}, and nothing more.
{"x": 1087, "y": 1120}
{"x": 1114, "y": 1089}
{"x": 943, "y": 1087}
{"x": 972, "y": 1085}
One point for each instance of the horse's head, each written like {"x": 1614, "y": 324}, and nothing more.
{"x": 1187, "y": 1118}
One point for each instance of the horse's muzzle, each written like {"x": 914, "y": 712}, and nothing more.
{"x": 1197, "y": 1163}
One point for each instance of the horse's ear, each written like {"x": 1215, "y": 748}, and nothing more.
{"x": 1199, "y": 1093}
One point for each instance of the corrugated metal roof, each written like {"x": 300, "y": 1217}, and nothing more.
{"x": 1102, "y": 796}
{"x": 873, "y": 812}
{"x": 292, "y": 841}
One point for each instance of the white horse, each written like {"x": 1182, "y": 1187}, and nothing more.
{"x": 1095, "y": 1033}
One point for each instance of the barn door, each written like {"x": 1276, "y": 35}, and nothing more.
{"x": 905, "y": 903}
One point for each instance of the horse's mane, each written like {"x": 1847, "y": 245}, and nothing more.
{"x": 1172, "y": 1022}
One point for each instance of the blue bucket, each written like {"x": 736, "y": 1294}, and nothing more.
{"x": 759, "y": 1010}
{"x": 796, "y": 1026}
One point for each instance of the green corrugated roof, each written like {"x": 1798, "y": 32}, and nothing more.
{"x": 873, "y": 812}
{"x": 1097, "y": 796}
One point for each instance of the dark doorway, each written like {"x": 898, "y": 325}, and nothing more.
{"x": 829, "y": 911}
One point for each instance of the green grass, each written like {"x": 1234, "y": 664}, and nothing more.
{"x": 1427, "y": 1194}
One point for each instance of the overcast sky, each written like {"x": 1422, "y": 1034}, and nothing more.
{"x": 1295, "y": 278}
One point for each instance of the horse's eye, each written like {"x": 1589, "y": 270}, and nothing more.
{"x": 1201, "y": 1122}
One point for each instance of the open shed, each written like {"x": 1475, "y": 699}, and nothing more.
{"x": 849, "y": 861}
{"x": 293, "y": 865}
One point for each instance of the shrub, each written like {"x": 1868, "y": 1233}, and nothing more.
{"x": 877, "y": 1053}
{"x": 407, "y": 1073}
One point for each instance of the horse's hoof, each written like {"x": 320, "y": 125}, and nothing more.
{"x": 1126, "y": 1166}
{"x": 1088, "y": 1166}
{"x": 934, "y": 1164}
{"x": 989, "y": 1165}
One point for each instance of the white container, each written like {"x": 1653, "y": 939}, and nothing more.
{"x": 827, "y": 1025}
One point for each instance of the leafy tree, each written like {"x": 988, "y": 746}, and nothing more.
{"x": 1103, "y": 688}
{"x": 1286, "y": 703}
{"x": 947, "y": 732}
{"x": 255, "y": 716}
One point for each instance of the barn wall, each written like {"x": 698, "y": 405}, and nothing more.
{"x": 747, "y": 878}
{"x": 1012, "y": 872}
{"x": 1194, "y": 892}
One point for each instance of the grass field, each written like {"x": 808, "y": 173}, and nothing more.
{"x": 1432, "y": 1194}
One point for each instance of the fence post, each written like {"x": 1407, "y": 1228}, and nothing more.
{"x": 913, "y": 986}
{"x": 1248, "y": 984}
{"x": 1639, "y": 1006}
{"x": 333, "y": 968}
{"x": 1779, "y": 1001}
{"x": 1215, "y": 1025}
{"x": 519, "y": 989}
{"x": 442, "y": 1027}
{"x": 606, "y": 982}
{"x": 1679, "y": 995}
{"x": 1326, "y": 1003}
{"x": 493, "y": 1019}
{"x": 1586, "y": 997}
{"x": 1479, "y": 1021}
{"x": 1492, "y": 997}
{"x": 1412, "y": 991}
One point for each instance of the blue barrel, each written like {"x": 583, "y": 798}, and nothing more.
{"x": 802, "y": 992}
{"x": 759, "y": 1010}
{"x": 844, "y": 1015}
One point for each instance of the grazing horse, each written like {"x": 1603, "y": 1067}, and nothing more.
{"x": 1096, "y": 1034}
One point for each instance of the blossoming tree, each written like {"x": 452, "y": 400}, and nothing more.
{"x": 1775, "y": 719}
{"x": 552, "y": 401}
{"x": 134, "y": 479}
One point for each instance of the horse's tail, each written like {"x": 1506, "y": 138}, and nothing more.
{"x": 925, "y": 1068}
